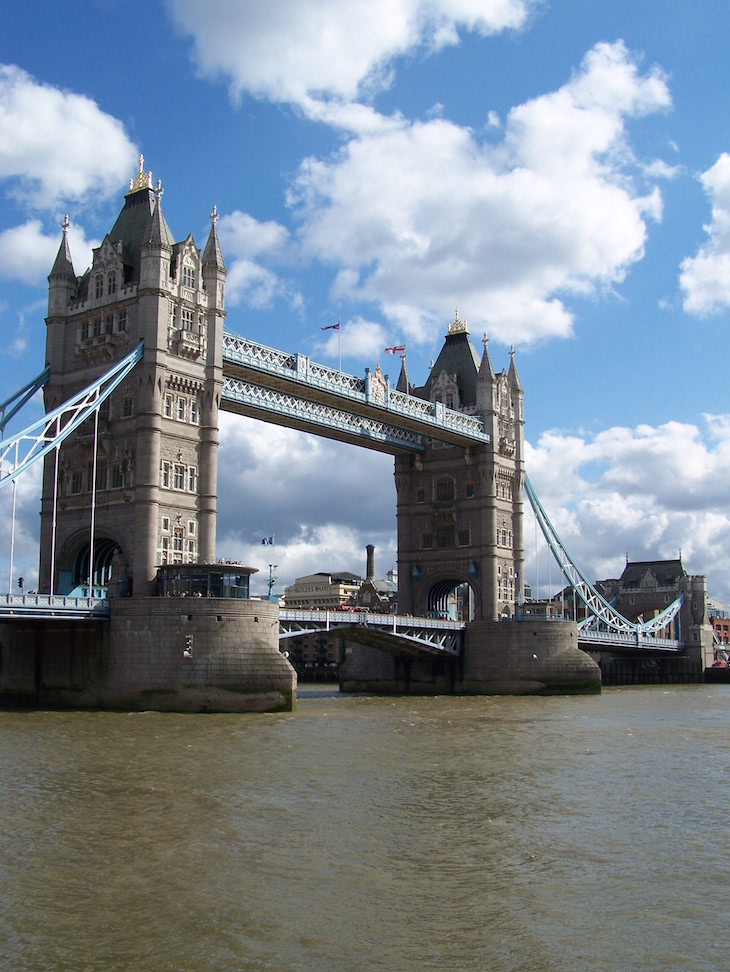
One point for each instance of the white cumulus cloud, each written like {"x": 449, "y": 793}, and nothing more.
{"x": 705, "y": 277}
{"x": 647, "y": 492}
{"x": 302, "y": 52}
{"x": 57, "y": 145}
{"x": 421, "y": 216}
{"x": 27, "y": 252}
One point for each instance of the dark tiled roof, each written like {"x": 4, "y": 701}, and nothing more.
{"x": 458, "y": 357}
{"x": 134, "y": 224}
{"x": 667, "y": 572}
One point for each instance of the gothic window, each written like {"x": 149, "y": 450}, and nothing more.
{"x": 122, "y": 321}
{"x": 444, "y": 490}
{"x": 117, "y": 476}
{"x": 191, "y": 550}
{"x": 111, "y": 283}
{"x": 445, "y": 536}
{"x": 464, "y": 538}
{"x": 179, "y": 476}
{"x": 427, "y": 541}
{"x": 127, "y": 406}
{"x": 101, "y": 474}
{"x": 99, "y": 286}
{"x": 105, "y": 410}
{"x": 166, "y": 475}
{"x": 84, "y": 330}
{"x": 188, "y": 277}
{"x": 181, "y": 409}
{"x": 187, "y": 319}
{"x": 76, "y": 481}
{"x": 168, "y": 406}
{"x": 109, "y": 323}
{"x": 97, "y": 327}
{"x": 191, "y": 479}
{"x": 194, "y": 412}
{"x": 421, "y": 495}
{"x": 165, "y": 549}
{"x": 191, "y": 528}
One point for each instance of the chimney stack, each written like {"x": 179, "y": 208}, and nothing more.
{"x": 370, "y": 562}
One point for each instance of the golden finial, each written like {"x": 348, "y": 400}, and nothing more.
{"x": 458, "y": 327}
{"x": 143, "y": 180}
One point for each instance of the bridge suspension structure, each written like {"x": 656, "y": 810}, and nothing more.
{"x": 26, "y": 447}
{"x": 601, "y": 613}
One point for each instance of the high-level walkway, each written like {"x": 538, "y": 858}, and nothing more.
{"x": 290, "y": 389}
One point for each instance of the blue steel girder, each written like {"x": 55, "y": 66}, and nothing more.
{"x": 426, "y": 635}
{"x": 28, "y": 446}
{"x": 605, "y": 613}
{"x": 371, "y": 397}
{"x": 280, "y": 408}
{"x": 20, "y": 397}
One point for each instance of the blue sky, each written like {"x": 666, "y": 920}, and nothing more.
{"x": 559, "y": 171}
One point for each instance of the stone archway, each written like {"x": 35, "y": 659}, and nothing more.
{"x": 451, "y": 599}
{"x": 107, "y": 555}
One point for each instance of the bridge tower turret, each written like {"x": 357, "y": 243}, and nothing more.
{"x": 154, "y": 450}
{"x": 460, "y": 537}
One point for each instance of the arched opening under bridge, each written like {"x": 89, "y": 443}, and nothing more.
{"x": 451, "y": 599}
{"x": 105, "y": 552}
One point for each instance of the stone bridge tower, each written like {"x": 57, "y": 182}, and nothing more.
{"x": 154, "y": 452}
{"x": 460, "y": 540}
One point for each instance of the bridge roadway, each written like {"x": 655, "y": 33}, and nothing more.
{"x": 16, "y": 607}
{"x": 290, "y": 389}
{"x": 629, "y": 643}
{"x": 389, "y": 632}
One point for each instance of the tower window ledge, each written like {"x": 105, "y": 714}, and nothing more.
{"x": 187, "y": 344}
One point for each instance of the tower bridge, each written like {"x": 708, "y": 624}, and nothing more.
{"x": 130, "y": 484}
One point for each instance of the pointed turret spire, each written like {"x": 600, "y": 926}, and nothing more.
{"x": 63, "y": 265}
{"x": 212, "y": 255}
{"x": 485, "y": 368}
{"x": 403, "y": 385}
{"x": 157, "y": 235}
{"x": 512, "y": 373}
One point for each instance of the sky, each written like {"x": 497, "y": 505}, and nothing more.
{"x": 559, "y": 171}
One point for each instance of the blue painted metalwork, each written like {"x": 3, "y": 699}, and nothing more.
{"x": 50, "y": 431}
{"x": 250, "y": 399}
{"x": 643, "y": 632}
{"x": 429, "y": 634}
{"x": 308, "y": 389}
{"x": 21, "y": 397}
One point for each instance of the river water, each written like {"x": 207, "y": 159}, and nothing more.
{"x": 362, "y": 833}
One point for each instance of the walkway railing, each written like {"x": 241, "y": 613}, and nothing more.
{"x": 371, "y": 395}
{"x": 432, "y": 633}
{"x": 13, "y": 606}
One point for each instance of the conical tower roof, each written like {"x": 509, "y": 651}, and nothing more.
{"x": 63, "y": 264}
{"x": 486, "y": 371}
{"x": 512, "y": 375}
{"x": 403, "y": 385}
{"x": 212, "y": 254}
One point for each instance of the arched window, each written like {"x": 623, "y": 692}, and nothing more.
{"x": 444, "y": 490}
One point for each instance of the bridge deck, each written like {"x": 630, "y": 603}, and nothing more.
{"x": 293, "y": 390}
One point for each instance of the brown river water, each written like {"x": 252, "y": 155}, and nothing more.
{"x": 362, "y": 833}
